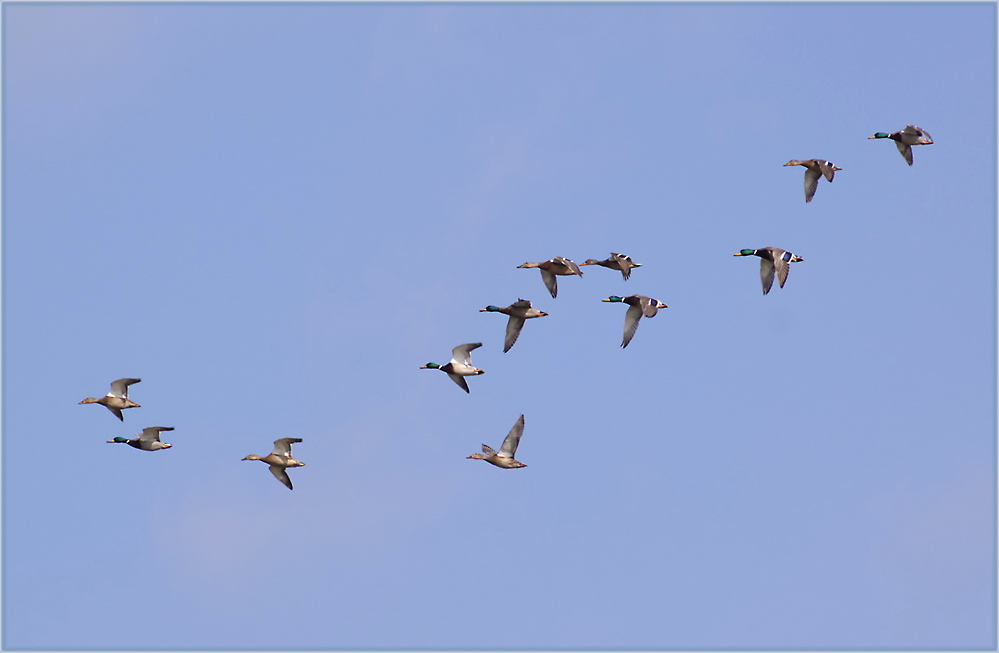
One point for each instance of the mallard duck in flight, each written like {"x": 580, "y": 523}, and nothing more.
{"x": 519, "y": 311}
{"x": 814, "y": 168}
{"x": 772, "y": 259}
{"x": 280, "y": 460}
{"x": 117, "y": 399}
{"x": 906, "y": 138}
{"x": 505, "y": 456}
{"x": 615, "y": 262}
{"x": 148, "y": 440}
{"x": 460, "y": 365}
{"x": 638, "y": 305}
{"x": 551, "y": 268}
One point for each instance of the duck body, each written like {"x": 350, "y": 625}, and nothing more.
{"x": 117, "y": 399}
{"x": 619, "y": 262}
{"x": 638, "y": 306}
{"x": 814, "y": 169}
{"x": 460, "y": 365}
{"x": 906, "y": 138}
{"x": 148, "y": 440}
{"x": 772, "y": 259}
{"x": 280, "y": 460}
{"x": 505, "y": 456}
{"x": 551, "y": 268}
{"x": 519, "y": 311}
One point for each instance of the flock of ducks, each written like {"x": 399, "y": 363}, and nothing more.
{"x": 773, "y": 262}
{"x": 117, "y": 400}
{"x": 776, "y": 260}
{"x": 460, "y": 365}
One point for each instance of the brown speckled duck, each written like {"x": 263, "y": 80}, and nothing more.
{"x": 505, "y": 456}
{"x": 549, "y": 269}
{"x": 280, "y": 460}
{"x": 117, "y": 400}
{"x": 615, "y": 262}
{"x": 814, "y": 168}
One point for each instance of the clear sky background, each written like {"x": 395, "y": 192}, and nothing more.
{"x": 274, "y": 214}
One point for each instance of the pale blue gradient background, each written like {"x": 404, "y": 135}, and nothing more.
{"x": 274, "y": 214}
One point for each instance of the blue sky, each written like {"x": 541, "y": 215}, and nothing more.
{"x": 274, "y": 214}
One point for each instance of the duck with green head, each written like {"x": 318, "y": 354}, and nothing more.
{"x": 505, "y": 456}
{"x": 638, "y": 306}
{"x": 148, "y": 440}
{"x": 906, "y": 138}
{"x": 814, "y": 168}
{"x": 460, "y": 365}
{"x": 519, "y": 311}
{"x": 772, "y": 259}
